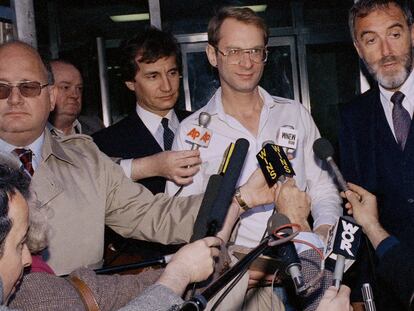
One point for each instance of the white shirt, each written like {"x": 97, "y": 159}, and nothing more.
{"x": 35, "y": 147}
{"x": 153, "y": 123}
{"x": 408, "y": 103}
{"x": 276, "y": 112}
{"x": 76, "y": 129}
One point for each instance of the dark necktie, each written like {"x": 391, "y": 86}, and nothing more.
{"x": 401, "y": 119}
{"x": 25, "y": 156}
{"x": 168, "y": 134}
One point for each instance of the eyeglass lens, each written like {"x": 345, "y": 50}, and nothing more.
{"x": 27, "y": 89}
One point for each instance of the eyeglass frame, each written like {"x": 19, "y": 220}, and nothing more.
{"x": 18, "y": 85}
{"x": 249, "y": 50}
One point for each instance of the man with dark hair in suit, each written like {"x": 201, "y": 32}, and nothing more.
{"x": 376, "y": 138}
{"x": 150, "y": 64}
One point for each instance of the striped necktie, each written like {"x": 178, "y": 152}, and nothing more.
{"x": 25, "y": 156}
{"x": 168, "y": 134}
{"x": 400, "y": 118}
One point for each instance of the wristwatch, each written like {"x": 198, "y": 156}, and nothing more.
{"x": 239, "y": 199}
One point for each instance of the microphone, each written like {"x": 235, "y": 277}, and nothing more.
{"x": 200, "y": 135}
{"x": 324, "y": 151}
{"x": 290, "y": 262}
{"x": 274, "y": 164}
{"x": 342, "y": 246}
{"x": 210, "y": 195}
{"x": 368, "y": 297}
{"x": 228, "y": 186}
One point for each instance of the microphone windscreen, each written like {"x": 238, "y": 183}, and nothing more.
{"x": 210, "y": 195}
{"x": 323, "y": 148}
{"x": 277, "y": 220}
{"x": 228, "y": 186}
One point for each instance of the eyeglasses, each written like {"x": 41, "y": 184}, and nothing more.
{"x": 27, "y": 89}
{"x": 234, "y": 56}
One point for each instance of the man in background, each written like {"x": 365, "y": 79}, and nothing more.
{"x": 65, "y": 119}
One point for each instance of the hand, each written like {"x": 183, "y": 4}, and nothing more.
{"x": 177, "y": 166}
{"x": 196, "y": 260}
{"x": 256, "y": 191}
{"x": 293, "y": 203}
{"x": 334, "y": 300}
{"x": 362, "y": 205}
{"x": 260, "y": 278}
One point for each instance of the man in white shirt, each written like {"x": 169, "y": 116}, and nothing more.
{"x": 237, "y": 40}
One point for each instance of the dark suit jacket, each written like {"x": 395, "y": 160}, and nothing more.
{"x": 370, "y": 157}
{"x": 130, "y": 138}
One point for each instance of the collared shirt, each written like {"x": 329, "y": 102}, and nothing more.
{"x": 76, "y": 129}
{"x": 153, "y": 123}
{"x": 35, "y": 147}
{"x": 408, "y": 103}
{"x": 277, "y": 112}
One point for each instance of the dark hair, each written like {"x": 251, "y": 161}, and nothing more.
{"x": 244, "y": 15}
{"x": 362, "y": 8}
{"x": 12, "y": 179}
{"x": 147, "y": 47}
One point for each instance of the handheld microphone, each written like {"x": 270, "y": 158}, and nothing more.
{"x": 274, "y": 164}
{"x": 228, "y": 186}
{"x": 368, "y": 297}
{"x": 200, "y": 136}
{"x": 290, "y": 262}
{"x": 324, "y": 151}
{"x": 342, "y": 246}
{"x": 206, "y": 207}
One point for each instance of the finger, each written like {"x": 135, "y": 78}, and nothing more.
{"x": 352, "y": 198}
{"x": 187, "y": 171}
{"x": 330, "y": 293}
{"x": 359, "y": 190}
{"x": 212, "y": 241}
{"x": 188, "y": 153}
{"x": 344, "y": 291}
{"x": 215, "y": 252}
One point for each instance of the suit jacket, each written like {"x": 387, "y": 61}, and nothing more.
{"x": 130, "y": 138}
{"x": 83, "y": 189}
{"x": 370, "y": 157}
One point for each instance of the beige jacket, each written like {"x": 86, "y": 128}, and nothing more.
{"x": 83, "y": 189}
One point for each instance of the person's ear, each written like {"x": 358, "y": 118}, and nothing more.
{"x": 130, "y": 85}
{"x": 211, "y": 55}
{"x": 52, "y": 96}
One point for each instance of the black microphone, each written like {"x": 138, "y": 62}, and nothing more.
{"x": 274, "y": 164}
{"x": 228, "y": 186}
{"x": 342, "y": 246}
{"x": 206, "y": 207}
{"x": 290, "y": 262}
{"x": 324, "y": 151}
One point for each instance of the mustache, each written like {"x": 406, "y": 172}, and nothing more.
{"x": 388, "y": 59}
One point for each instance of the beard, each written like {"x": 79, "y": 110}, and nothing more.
{"x": 395, "y": 78}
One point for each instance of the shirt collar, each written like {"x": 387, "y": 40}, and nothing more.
{"x": 153, "y": 121}
{"x": 35, "y": 147}
{"x": 217, "y": 108}
{"x": 76, "y": 129}
{"x": 406, "y": 89}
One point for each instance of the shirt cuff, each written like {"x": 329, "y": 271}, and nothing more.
{"x": 127, "y": 166}
{"x": 385, "y": 245}
{"x": 309, "y": 237}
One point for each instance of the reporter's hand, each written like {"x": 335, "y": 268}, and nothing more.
{"x": 177, "y": 166}
{"x": 256, "y": 191}
{"x": 293, "y": 203}
{"x": 196, "y": 260}
{"x": 334, "y": 300}
{"x": 362, "y": 205}
{"x": 259, "y": 278}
